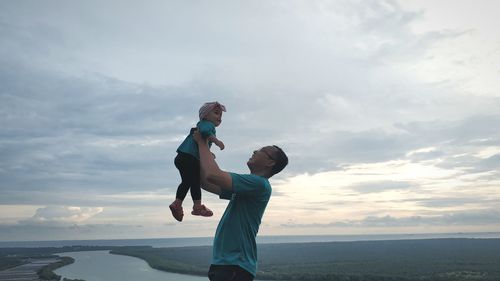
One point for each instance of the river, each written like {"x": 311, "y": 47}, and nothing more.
{"x": 103, "y": 266}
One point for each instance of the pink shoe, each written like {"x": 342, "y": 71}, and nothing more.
{"x": 201, "y": 210}
{"x": 177, "y": 212}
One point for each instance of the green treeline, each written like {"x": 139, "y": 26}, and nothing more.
{"x": 8, "y": 262}
{"x": 432, "y": 259}
{"x": 47, "y": 272}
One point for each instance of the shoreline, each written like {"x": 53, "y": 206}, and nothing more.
{"x": 172, "y": 269}
{"x": 264, "y": 239}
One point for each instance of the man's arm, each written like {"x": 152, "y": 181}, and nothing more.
{"x": 209, "y": 187}
{"x": 215, "y": 177}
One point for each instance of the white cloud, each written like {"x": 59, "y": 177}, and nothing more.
{"x": 62, "y": 215}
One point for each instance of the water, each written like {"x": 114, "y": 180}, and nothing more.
{"x": 207, "y": 241}
{"x": 103, "y": 266}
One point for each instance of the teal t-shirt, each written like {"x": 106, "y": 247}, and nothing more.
{"x": 234, "y": 242}
{"x": 189, "y": 145}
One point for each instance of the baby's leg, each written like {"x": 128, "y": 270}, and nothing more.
{"x": 183, "y": 164}
{"x": 195, "y": 182}
{"x": 198, "y": 208}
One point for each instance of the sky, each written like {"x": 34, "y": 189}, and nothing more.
{"x": 388, "y": 110}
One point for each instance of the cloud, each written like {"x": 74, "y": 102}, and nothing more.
{"x": 478, "y": 217}
{"x": 90, "y": 198}
{"x": 381, "y": 186}
{"x": 82, "y": 231}
{"x": 74, "y": 133}
{"x": 94, "y": 105}
{"x": 424, "y": 154}
{"x": 61, "y": 215}
{"x": 444, "y": 202}
{"x": 98, "y": 107}
{"x": 39, "y": 232}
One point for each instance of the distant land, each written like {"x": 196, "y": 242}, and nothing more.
{"x": 449, "y": 259}
{"x": 261, "y": 239}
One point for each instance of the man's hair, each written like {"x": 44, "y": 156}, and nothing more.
{"x": 281, "y": 161}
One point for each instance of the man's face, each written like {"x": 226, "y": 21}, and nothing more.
{"x": 262, "y": 157}
{"x": 215, "y": 116}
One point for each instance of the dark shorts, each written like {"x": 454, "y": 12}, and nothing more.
{"x": 228, "y": 273}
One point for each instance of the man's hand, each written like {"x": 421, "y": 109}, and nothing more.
{"x": 213, "y": 178}
{"x": 197, "y": 137}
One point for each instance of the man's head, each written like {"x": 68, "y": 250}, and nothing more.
{"x": 268, "y": 161}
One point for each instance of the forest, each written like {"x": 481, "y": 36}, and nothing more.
{"x": 430, "y": 259}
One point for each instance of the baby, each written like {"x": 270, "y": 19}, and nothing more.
{"x": 188, "y": 160}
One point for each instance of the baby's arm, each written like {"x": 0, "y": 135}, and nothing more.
{"x": 216, "y": 141}
{"x": 207, "y": 130}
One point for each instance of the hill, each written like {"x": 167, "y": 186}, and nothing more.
{"x": 411, "y": 260}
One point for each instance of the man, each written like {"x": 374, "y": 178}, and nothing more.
{"x": 235, "y": 249}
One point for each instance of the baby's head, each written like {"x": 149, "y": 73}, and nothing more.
{"x": 212, "y": 111}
